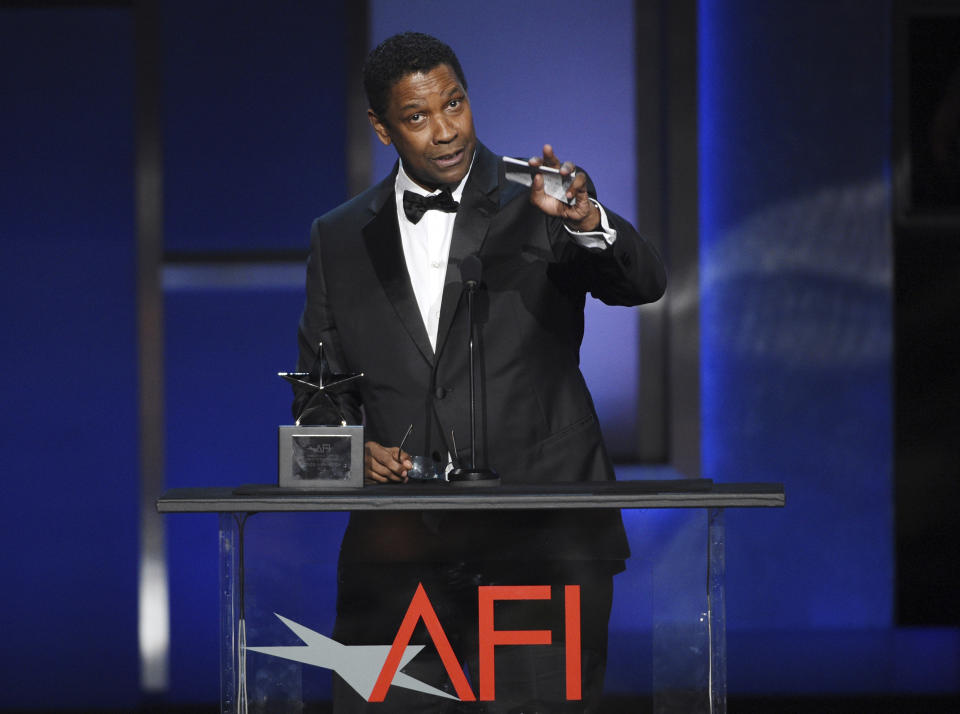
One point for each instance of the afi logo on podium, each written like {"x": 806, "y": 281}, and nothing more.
{"x": 372, "y": 669}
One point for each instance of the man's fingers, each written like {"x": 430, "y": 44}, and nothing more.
{"x": 376, "y": 478}
{"x": 578, "y": 186}
{"x": 379, "y": 472}
{"x": 381, "y": 469}
{"x": 581, "y": 207}
{"x": 549, "y": 158}
{"x": 403, "y": 458}
{"x": 400, "y": 458}
{"x": 537, "y": 195}
{"x": 382, "y": 464}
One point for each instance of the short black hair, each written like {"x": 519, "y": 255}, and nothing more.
{"x": 400, "y": 55}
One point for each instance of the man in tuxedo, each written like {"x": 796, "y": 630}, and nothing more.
{"x": 385, "y": 296}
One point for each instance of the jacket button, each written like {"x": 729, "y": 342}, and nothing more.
{"x": 440, "y": 392}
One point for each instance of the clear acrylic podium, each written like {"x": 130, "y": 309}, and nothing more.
{"x": 278, "y": 575}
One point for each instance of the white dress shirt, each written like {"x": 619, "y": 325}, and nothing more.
{"x": 426, "y": 248}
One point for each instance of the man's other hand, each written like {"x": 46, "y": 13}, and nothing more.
{"x": 582, "y": 215}
{"x": 383, "y": 465}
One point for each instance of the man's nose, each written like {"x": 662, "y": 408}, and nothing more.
{"x": 444, "y": 130}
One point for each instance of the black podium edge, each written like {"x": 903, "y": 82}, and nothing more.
{"x": 683, "y": 493}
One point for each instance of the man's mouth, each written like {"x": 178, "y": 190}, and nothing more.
{"x": 447, "y": 160}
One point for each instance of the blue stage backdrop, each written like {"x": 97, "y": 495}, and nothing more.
{"x": 796, "y": 332}
{"x": 68, "y": 428}
{"x": 254, "y": 125}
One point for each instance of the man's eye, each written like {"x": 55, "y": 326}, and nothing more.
{"x": 415, "y": 118}
{"x": 454, "y": 103}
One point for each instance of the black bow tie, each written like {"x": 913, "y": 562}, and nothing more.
{"x": 415, "y": 205}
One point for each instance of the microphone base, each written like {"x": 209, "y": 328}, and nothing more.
{"x": 473, "y": 478}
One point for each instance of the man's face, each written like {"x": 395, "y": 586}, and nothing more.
{"x": 428, "y": 120}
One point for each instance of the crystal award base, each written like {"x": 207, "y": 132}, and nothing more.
{"x": 318, "y": 457}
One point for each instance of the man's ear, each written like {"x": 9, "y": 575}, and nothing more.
{"x": 380, "y": 127}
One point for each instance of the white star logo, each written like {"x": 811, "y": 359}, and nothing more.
{"x": 358, "y": 665}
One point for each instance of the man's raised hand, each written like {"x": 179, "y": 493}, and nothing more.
{"x": 583, "y": 215}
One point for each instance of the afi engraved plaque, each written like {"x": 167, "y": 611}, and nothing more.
{"x": 321, "y": 456}
{"x": 326, "y": 452}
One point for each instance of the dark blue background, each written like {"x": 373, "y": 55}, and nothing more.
{"x": 69, "y": 419}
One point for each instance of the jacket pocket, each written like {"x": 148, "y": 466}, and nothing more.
{"x": 580, "y": 425}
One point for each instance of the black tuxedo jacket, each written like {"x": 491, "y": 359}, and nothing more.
{"x": 539, "y": 420}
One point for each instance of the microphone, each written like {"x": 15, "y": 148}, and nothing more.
{"x": 471, "y": 272}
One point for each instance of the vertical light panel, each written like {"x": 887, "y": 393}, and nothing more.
{"x": 795, "y": 263}
{"x": 153, "y": 594}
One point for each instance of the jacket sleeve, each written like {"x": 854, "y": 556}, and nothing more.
{"x": 629, "y": 272}
{"x": 318, "y": 325}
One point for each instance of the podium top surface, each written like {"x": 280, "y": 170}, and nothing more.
{"x": 673, "y": 493}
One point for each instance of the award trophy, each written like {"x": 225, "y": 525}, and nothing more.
{"x": 327, "y": 453}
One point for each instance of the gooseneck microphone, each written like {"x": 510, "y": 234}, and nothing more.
{"x": 471, "y": 272}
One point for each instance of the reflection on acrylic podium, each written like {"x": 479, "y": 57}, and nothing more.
{"x": 278, "y": 576}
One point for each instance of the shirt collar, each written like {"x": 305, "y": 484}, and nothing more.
{"x": 405, "y": 183}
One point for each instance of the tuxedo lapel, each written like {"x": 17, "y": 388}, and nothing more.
{"x": 382, "y": 238}
{"x": 478, "y": 204}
